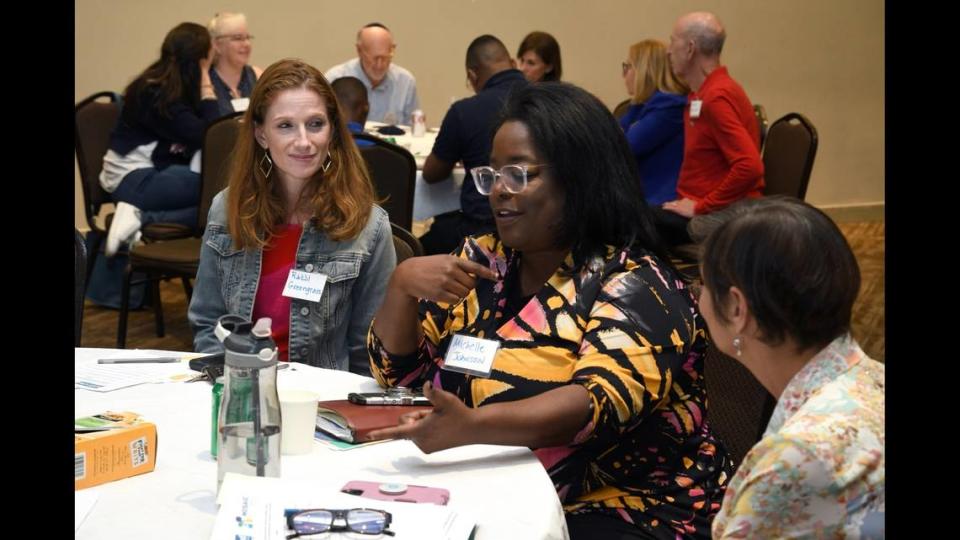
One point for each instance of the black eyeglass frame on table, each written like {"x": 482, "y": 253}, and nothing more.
{"x": 331, "y": 524}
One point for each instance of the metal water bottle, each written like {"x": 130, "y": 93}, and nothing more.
{"x": 249, "y": 423}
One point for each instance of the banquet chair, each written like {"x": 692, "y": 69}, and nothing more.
{"x": 788, "y": 156}
{"x": 94, "y": 120}
{"x": 393, "y": 171}
{"x": 181, "y": 257}
{"x": 405, "y": 243}
{"x": 739, "y": 407}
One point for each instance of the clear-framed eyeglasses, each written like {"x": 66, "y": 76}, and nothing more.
{"x": 305, "y": 523}
{"x": 514, "y": 177}
{"x": 237, "y": 37}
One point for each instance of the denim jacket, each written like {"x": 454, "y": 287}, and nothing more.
{"x": 330, "y": 333}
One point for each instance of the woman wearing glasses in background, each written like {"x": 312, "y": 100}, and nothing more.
{"x": 580, "y": 339}
{"x": 653, "y": 123}
{"x": 232, "y": 77}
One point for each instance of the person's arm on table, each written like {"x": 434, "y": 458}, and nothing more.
{"x": 436, "y": 170}
{"x": 448, "y": 149}
{"x": 549, "y": 419}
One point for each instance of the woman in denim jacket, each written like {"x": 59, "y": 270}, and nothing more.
{"x": 299, "y": 203}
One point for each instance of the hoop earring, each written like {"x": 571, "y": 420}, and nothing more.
{"x": 327, "y": 163}
{"x": 268, "y": 166}
{"x": 738, "y": 346}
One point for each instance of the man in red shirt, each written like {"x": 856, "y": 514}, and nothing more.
{"x": 721, "y": 152}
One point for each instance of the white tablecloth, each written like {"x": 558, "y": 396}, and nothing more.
{"x": 505, "y": 487}
{"x": 429, "y": 199}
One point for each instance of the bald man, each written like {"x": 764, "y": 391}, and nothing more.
{"x": 721, "y": 153}
{"x": 391, "y": 89}
{"x": 465, "y": 136}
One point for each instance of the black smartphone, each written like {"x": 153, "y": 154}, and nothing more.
{"x": 393, "y": 396}
{"x": 214, "y": 360}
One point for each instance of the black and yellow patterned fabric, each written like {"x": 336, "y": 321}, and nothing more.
{"x": 626, "y": 328}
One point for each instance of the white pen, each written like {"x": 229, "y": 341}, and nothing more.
{"x": 164, "y": 360}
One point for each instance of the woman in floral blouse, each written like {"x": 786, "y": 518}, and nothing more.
{"x": 598, "y": 344}
{"x": 779, "y": 285}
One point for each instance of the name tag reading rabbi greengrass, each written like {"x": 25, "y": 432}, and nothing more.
{"x": 473, "y": 355}
{"x": 304, "y": 285}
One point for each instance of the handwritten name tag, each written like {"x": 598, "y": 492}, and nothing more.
{"x": 240, "y": 104}
{"x": 304, "y": 285}
{"x": 695, "y": 106}
{"x": 468, "y": 354}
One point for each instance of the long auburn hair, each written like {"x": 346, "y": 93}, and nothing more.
{"x": 341, "y": 198}
{"x": 176, "y": 75}
{"x": 652, "y": 71}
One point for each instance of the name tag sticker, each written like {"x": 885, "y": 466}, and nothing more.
{"x": 304, "y": 285}
{"x": 240, "y": 104}
{"x": 695, "y": 108}
{"x": 473, "y": 355}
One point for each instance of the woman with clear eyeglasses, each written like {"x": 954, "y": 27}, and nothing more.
{"x": 566, "y": 331}
{"x": 231, "y": 74}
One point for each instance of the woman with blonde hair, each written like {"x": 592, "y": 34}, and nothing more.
{"x": 299, "y": 208}
{"x": 231, "y": 74}
{"x": 653, "y": 123}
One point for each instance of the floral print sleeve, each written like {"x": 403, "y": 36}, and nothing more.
{"x": 818, "y": 472}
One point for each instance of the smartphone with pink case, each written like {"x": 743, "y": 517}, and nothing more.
{"x": 392, "y": 491}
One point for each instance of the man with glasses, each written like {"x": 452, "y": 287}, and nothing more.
{"x": 465, "y": 135}
{"x": 392, "y": 90}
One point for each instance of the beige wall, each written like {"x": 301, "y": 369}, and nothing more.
{"x": 822, "y": 58}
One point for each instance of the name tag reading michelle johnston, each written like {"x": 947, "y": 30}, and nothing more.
{"x": 473, "y": 355}
{"x": 240, "y": 104}
{"x": 304, "y": 285}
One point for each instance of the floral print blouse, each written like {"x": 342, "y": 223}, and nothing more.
{"x": 626, "y": 328}
{"x": 818, "y": 471}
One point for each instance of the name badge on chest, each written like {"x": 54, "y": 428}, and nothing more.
{"x": 240, "y": 104}
{"x": 304, "y": 285}
{"x": 695, "y": 106}
{"x": 473, "y": 355}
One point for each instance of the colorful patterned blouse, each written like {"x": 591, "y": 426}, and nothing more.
{"x": 818, "y": 472}
{"x": 628, "y": 331}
